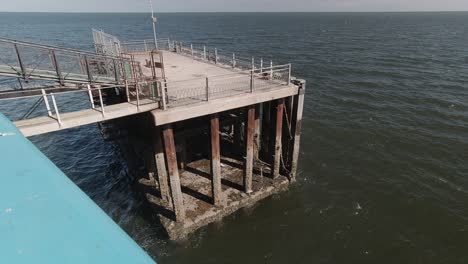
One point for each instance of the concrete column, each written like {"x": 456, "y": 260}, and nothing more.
{"x": 174, "y": 178}
{"x": 249, "y": 142}
{"x": 278, "y": 136}
{"x": 215, "y": 161}
{"x": 296, "y": 125}
{"x": 161, "y": 167}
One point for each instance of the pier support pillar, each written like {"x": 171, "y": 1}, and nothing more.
{"x": 249, "y": 141}
{"x": 278, "y": 136}
{"x": 296, "y": 125}
{"x": 183, "y": 152}
{"x": 258, "y": 129}
{"x": 161, "y": 167}
{"x": 174, "y": 178}
{"x": 238, "y": 136}
{"x": 215, "y": 161}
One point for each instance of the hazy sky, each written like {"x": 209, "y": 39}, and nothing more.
{"x": 231, "y": 5}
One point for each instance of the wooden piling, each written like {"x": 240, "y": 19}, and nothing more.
{"x": 215, "y": 161}
{"x": 296, "y": 125}
{"x": 249, "y": 141}
{"x": 278, "y": 136}
{"x": 174, "y": 178}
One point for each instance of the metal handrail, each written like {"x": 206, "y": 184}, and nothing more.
{"x": 49, "y": 47}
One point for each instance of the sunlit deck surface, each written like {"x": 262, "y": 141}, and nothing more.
{"x": 178, "y": 69}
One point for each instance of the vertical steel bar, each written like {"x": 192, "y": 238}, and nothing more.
{"x": 88, "y": 71}
{"x": 91, "y": 99}
{"x": 56, "y": 109}
{"x": 216, "y": 56}
{"x": 46, "y": 101}
{"x": 233, "y": 60}
{"x": 101, "y": 102}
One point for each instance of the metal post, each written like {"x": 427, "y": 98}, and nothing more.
{"x": 91, "y": 99}
{"x": 137, "y": 88}
{"x": 216, "y": 56}
{"x": 101, "y": 102}
{"x": 116, "y": 73}
{"x": 46, "y": 101}
{"x": 261, "y": 65}
{"x": 191, "y": 48}
{"x": 163, "y": 95}
{"x": 56, "y": 109}
{"x": 289, "y": 74}
{"x": 127, "y": 91}
{"x": 251, "y": 80}
{"x": 20, "y": 61}
{"x": 57, "y": 68}
{"x": 168, "y": 44}
{"x": 253, "y": 63}
{"x": 88, "y": 71}
{"x": 271, "y": 69}
{"x": 204, "y": 52}
{"x": 207, "y": 90}
{"x": 154, "y": 20}
{"x": 233, "y": 60}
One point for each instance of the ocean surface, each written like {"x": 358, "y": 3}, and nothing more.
{"x": 384, "y": 153}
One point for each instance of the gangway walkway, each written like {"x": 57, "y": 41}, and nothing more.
{"x": 30, "y": 61}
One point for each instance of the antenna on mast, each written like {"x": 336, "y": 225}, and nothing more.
{"x": 153, "y": 20}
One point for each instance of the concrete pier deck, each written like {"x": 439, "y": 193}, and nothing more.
{"x": 185, "y": 75}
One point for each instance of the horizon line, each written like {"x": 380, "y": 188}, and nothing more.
{"x": 210, "y": 12}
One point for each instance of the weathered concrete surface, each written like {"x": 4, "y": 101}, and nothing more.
{"x": 178, "y": 67}
{"x": 197, "y": 195}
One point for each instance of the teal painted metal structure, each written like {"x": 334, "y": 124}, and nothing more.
{"x": 46, "y": 218}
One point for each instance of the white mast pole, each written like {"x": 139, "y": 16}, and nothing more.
{"x": 153, "y": 20}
